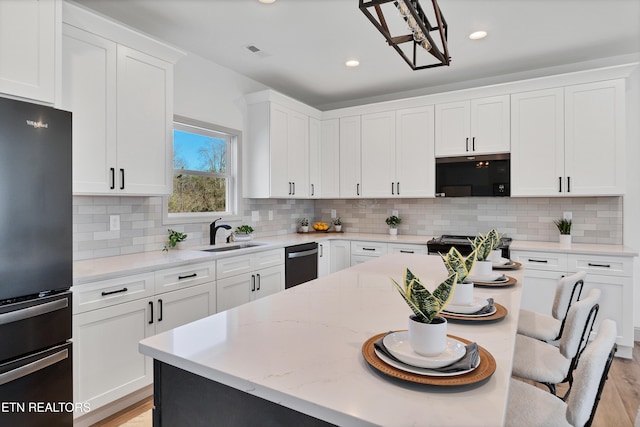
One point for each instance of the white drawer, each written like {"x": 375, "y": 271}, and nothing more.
{"x": 233, "y": 266}
{"x": 541, "y": 260}
{"x": 406, "y": 248}
{"x": 368, "y": 248}
{"x": 268, "y": 258}
{"x": 601, "y": 264}
{"x": 105, "y": 293}
{"x": 184, "y": 276}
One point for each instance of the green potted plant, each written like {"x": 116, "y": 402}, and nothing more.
{"x": 393, "y": 222}
{"x": 175, "y": 237}
{"x": 427, "y": 330}
{"x": 337, "y": 224}
{"x": 482, "y": 246}
{"x": 458, "y": 263}
{"x": 304, "y": 225}
{"x": 564, "y": 227}
{"x": 243, "y": 232}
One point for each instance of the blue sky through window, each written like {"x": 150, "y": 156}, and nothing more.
{"x": 187, "y": 146}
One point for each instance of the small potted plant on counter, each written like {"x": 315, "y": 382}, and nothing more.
{"x": 175, "y": 237}
{"x": 564, "y": 227}
{"x": 242, "y": 233}
{"x": 393, "y": 222}
{"x": 337, "y": 224}
{"x": 304, "y": 225}
{"x": 427, "y": 331}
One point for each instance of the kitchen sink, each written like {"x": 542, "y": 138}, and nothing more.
{"x": 232, "y": 247}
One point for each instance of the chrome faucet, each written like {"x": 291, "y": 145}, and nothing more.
{"x": 213, "y": 229}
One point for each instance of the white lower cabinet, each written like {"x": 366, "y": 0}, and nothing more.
{"x": 406, "y": 248}
{"x": 340, "y": 255}
{"x": 324, "y": 259}
{"x": 366, "y": 251}
{"x": 611, "y": 274}
{"x": 112, "y": 316}
{"x": 248, "y": 277}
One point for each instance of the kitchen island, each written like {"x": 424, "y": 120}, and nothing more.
{"x": 296, "y": 356}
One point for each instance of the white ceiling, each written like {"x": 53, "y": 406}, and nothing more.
{"x": 305, "y": 43}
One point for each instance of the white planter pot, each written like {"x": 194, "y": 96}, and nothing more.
{"x": 565, "y": 239}
{"x": 462, "y": 294}
{"x": 495, "y": 255}
{"x": 242, "y": 237}
{"x": 304, "y": 228}
{"x": 482, "y": 268}
{"x": 338, "y": 228}
{"x": 393, "y": 231}
{"x": 181, "y": 245}
{"x": 428, "y": 339}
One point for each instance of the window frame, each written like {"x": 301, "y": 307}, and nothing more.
{"x": 234, "y": 173}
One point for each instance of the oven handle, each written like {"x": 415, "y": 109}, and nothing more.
{"x": 32, "y": 367}
{"x": 301, "y": 254}
{"x": 36, "y": 310}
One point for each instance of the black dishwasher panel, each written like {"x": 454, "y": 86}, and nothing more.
{"x": 301, "y": 264}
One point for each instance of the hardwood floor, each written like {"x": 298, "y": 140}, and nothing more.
{"x": 618, "y": 406}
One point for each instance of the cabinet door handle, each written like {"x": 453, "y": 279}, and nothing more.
{"x": 258, "y": 280}
{"x": 321, "y": 251}
{"x": 313, "y": 190}
{"x": 473, "y": 144}
{"x": 392, "y": 187}
{"x": 253, "y": 283}
{"x": 105, "y": 293}
{"x": 406, "y": 252}
{"x": 122, "y": 179}
{"x": 542, "y": 261}
{"x": 294, "y": 188}
{"x": 358, "y": 189}
{"x": 160, "y": 310}
{"x": 369, "y": 249}
{"x": 559, "y": 184}
{"x": 398, "y": 188}
{"x": 466, "y": 144}
{"x": 189, "y": 276}
{"x": 568, "y": 184}
{"x": 593, "y": 264}
{"x": 151, "y": 308}
{"x": 113, "y": 178}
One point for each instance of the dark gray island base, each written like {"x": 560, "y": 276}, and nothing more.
{"x": 184, "y": 399}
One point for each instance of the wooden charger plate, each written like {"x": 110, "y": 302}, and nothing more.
{"x": 485, "y": 369}
{"x": 500, "y": 313}
{"x": 516, "y": 265}
{"x": 510, "y": 282}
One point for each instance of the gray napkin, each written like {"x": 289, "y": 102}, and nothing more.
{"x": 487, "y": 308}
{"x": 468, "y": 361}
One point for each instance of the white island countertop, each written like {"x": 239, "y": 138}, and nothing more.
{"x": 302, "y": 349}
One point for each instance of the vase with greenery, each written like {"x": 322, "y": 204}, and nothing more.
{"x": 393, "y": 222}
{"x": 483, "y": 245}
{"x": 304, "y": 224}
{"x": 427, "y": 330}
{"x": 564, "y": 227}
{"x": 243, "y": 232}
{"x": 337, "y": 224}
{"x": 175, "y": 237}
{"x": 458, "y": 263}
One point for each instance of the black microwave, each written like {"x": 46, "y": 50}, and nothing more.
{"x": 468, "y": 176}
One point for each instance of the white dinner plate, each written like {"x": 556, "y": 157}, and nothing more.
{"x": 398, "y": 345}
{"x": 492, "y": 278}
{"x": 491, "y": 313}
{"x": 476, "y": 305}
{"x": 421, "y": 371}
{"x": 502, "y": 261}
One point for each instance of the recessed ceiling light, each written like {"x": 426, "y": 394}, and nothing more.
{"x": 352, "y": 63}
{"x": 266, "y": 1}
{"x": 478, "y": 35}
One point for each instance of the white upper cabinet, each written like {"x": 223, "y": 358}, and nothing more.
{"x": 315, "y": 160}
{"x": 397, "y": 153}
{"x": 568, "y": 141}
{"x": 479, "y": 126}
{"x": 28, "y": 36}
{"x": 350, "y": 172}
{"x": 595, "y": 138}
{"x": 122, "y": 104}
{"x": 537, "y": 142}
{"x": 330, "y": 158}
{"x": 277, "y": 153}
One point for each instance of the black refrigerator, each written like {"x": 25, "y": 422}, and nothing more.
{"x": 36, "y": 384}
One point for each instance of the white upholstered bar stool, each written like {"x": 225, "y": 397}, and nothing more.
{"x": 549, "y": 328}
{"x": 544, "y": 363}
{"x": 529, "y": 405}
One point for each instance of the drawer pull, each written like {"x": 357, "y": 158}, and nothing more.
{"x": 542, "y": 261}
{"x": 119, "y": 291}
{"x": 187, "y": 277}
{"x": 591, "y": 264}
{"x": 369, "y": 249}
{"x": 407, "y": 252}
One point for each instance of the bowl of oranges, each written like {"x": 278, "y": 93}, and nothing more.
{"x": 321, "y": 226}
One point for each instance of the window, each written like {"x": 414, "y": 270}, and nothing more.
{"x": 204, "y": 171}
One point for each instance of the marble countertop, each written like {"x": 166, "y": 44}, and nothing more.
{"x": 574, "y": 248}
{"x": 301, "y": 348}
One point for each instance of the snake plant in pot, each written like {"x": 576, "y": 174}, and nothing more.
{"x": 483, "y": 246}
{"x": 564, "y": 227}
{"x": 427, "y": 330}
{"x": 458, "y": 263}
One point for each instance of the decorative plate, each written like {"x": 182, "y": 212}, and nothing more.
{"x": 510, "y": 282}
{"x": 500, "y": 313}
